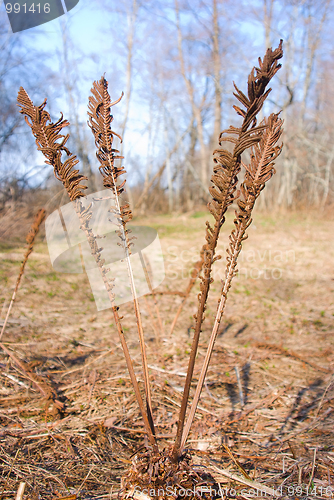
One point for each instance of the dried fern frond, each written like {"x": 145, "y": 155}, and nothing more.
{"x": 258, "y": 172}
{"x": 38, "y": 219}
{"x": 41, "y": 385}
{"x": 223, "y": 191}
{"x": 100, "y": 118}
{"x": 52, "y": 143}
{"x": 30, "y": 239}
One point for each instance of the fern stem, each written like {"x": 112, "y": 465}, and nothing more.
{"x": 147, "y": 268}
{"x": 39, "y": 218}
{"x": 142, "y": 345}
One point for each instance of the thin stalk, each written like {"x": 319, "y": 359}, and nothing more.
{"x": 229, "y": 276}
{"x": 154, "y": 325}
{"x": 12, "y": 300}
{"x": 39, "y": 217}
{"x": 141, "y": 342}
{"x": 126, "y": 246}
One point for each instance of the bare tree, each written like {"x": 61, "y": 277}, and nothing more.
{"x": 70, "y": 81}
{"x": 197, "y": 107}
{"x": 19, "y": 57}
{"x": 216, "y": 59}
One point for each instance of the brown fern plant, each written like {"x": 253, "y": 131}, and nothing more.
{"x": 170, "y": 467}
{"x": 224, "y": 179}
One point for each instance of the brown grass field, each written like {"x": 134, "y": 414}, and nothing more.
{"x": 276, "y": 336}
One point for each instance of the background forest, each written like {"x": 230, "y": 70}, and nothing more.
{"x": 70, "y": 425}
{"x": 175, "y": 62}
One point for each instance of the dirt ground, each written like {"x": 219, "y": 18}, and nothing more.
{"x": 269, "y": 391}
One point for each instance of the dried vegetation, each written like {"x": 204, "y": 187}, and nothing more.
{"x": 281, "y": 343}
{"x": 73, "y": 418}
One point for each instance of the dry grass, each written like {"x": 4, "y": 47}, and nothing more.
{"x": 277, "y": 337}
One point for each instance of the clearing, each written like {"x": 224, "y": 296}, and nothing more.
{"x": 276, "y": 338}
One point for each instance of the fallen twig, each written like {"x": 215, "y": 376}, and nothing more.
{"x": 20, "y": 491}
{"x": 248, "y": 482}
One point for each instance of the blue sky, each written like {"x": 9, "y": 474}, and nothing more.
{"x": 94, "y": 31}
{"x": 88, "y": 29}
